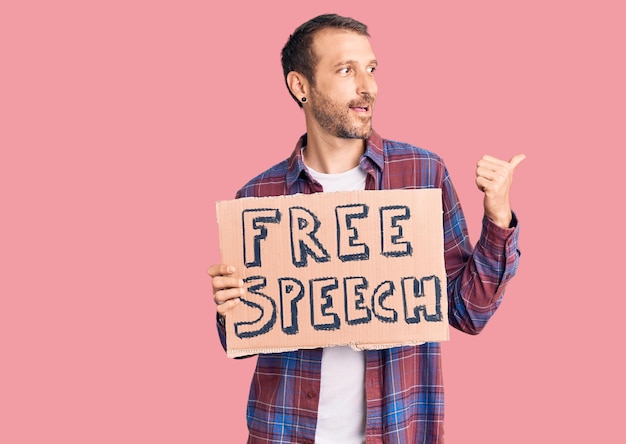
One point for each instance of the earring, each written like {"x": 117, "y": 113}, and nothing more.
{"x": 303, "y": 99}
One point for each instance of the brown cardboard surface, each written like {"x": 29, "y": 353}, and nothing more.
{"x": 359, "y": 268}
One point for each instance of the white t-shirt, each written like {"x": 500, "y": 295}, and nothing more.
{"x": 341, "y": 412}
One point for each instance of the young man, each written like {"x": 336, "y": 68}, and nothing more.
{"x": 338, "y": 395}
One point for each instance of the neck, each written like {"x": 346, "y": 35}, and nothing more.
{"x": 331, "y": 155}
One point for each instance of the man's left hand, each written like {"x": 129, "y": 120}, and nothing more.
{"x": 494, "y": 178}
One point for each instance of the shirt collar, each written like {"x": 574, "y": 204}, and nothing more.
{"x": 296, "y": 167}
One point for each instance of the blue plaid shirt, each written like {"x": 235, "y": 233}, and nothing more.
{"x": 403, "y": 385}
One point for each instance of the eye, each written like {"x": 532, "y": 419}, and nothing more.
{"x": 345, "y": 70}
{"x": 371, "y": 69}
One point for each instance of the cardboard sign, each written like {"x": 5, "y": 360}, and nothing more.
{"x": 360, "y": 268}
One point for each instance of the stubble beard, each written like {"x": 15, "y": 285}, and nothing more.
{"x": 336, "y": 119}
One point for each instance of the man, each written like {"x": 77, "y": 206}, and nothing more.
{"x": 338, "y": 395}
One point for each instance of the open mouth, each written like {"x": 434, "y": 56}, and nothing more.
{"x": 360, "y": 109}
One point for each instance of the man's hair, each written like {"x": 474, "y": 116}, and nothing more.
{"x": 298, "y": 55}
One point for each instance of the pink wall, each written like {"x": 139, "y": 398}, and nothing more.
{"x": 122, "y": 124}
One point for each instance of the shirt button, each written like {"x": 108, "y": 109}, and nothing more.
{"x": 311, "y": 395}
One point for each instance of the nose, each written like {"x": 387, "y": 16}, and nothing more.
{"x": 366, "y": 84}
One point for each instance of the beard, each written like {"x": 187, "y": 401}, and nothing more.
{"x": 337, "y": 119}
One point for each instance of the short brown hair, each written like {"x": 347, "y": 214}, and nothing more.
{"x": 297, "y": 54}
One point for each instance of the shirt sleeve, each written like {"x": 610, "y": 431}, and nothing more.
{"x": 221, "y": 330}
{"x": 477, "y": 276}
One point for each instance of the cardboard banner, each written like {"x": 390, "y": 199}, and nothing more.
{"x": 359, "y": 268}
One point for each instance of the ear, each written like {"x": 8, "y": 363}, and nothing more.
{"x": 298, "y": 84}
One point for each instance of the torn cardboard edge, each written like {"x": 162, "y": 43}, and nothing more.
{"x": 361, "y": 268}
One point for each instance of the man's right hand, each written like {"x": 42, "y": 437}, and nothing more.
{"x": 227, "y": 289}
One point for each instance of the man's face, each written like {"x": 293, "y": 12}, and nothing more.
{"x": 343, "y": 95}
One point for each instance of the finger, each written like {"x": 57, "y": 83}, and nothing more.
{"x": 516, "y": 160}
{"x": 482, "y": 183}
{"x": 491, "y": 162}
{"x": 220, "y": 270}
{"x": 227, "y": 294}
{"x": 225, "y": 282}
{"x": 489, "y": 173}
{"x": 224, "y": 308}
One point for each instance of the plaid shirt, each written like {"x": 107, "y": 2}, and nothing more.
{"x": 403, "y": 385}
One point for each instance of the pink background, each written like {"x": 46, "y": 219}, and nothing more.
{"x": 122, "y": 122}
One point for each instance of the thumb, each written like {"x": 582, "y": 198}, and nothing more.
{"x": 516, "y": 160}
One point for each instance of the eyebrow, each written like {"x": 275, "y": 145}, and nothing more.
{"x": 353, "y": 62}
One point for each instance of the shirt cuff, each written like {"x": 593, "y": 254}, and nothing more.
{"x": 497, "y": 239}
{"x": 221, "y": 329}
